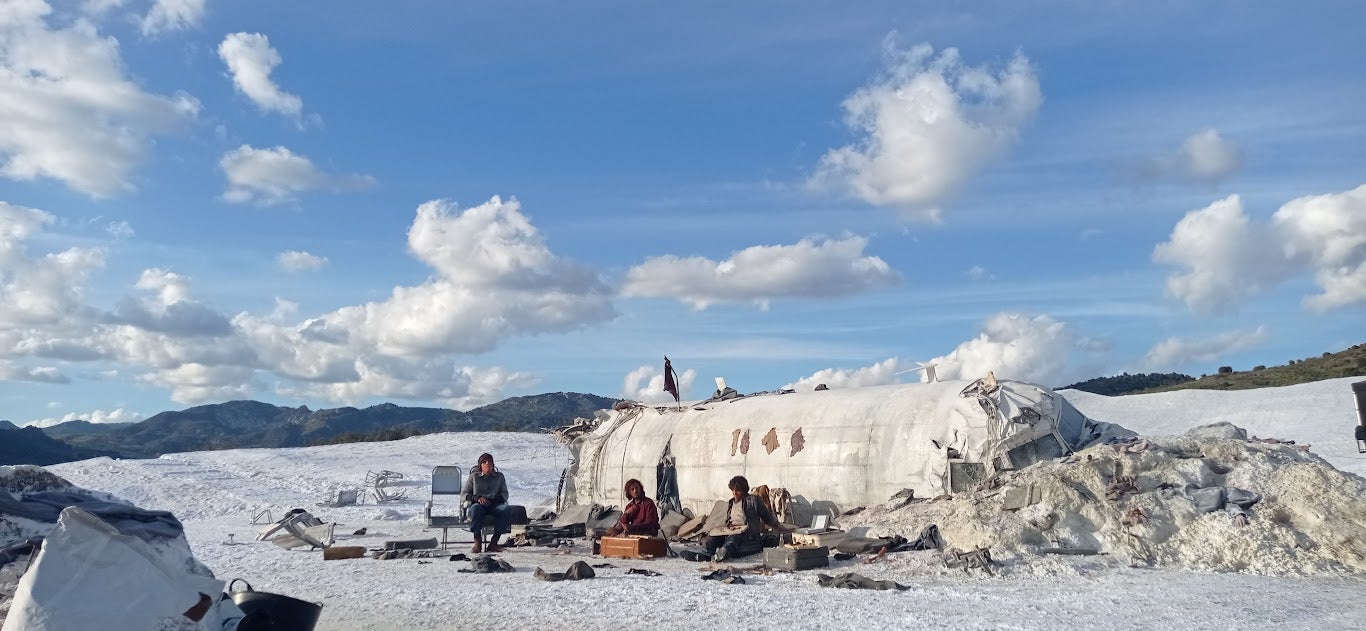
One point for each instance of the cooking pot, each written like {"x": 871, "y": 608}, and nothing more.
{"x": 273, "y": 612}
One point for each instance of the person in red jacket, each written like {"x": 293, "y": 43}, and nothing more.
{"x": 640, "y": 516}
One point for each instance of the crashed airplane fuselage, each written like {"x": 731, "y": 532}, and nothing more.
{"x": 831, "y": 450}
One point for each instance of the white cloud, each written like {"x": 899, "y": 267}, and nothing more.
{"x": 172, "y": 15}
{"x": 41, "y": 374}
{"x": 494, "y": 278}
{"x": 927, "y": 125}
{"x": 1226, "y": 257}
{"x": 267, "y": 177}
{"x": 1204, "y": 156}
{"x": 646, "y": 385}
{"x": 881, "y": 373}
{"x": 299, "y": 261}
{"x": 120, "y": 230}
{"x": 119, "y": 415}
{"x": 1328, "y": 234}
{"x": 198, "y": 383}
{"x": 251, "y": 59}
{"x": 1174, "y": 352}
{"x": 1036, "y": 349}
{"x": 44, "y": 291}
{"x": 172, "y": 310}
{"x": 807, "y": 269}
{"x": 977, "y": 272}
{"x": 69, "y": 111}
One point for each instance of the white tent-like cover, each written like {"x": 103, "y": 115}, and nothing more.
{"x": 830, "y": 449}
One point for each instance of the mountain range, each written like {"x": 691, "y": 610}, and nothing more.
{"x": 244, "y": 424}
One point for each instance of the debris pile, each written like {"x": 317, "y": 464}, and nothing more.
{"x": 1211, "y": 499}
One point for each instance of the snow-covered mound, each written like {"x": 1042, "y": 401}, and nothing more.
{"x": 1136, "y": 501}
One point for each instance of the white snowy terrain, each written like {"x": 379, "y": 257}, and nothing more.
{"x": 215, "y": 494}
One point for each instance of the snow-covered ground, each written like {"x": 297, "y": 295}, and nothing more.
{"x": 217, "y": 493}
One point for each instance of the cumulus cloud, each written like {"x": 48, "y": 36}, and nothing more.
{"x": 119, "y": 415}
{"x": 879, "y": 374}
{"x": 1226, "y": 257}
{"x": 199, "y": 383}
{"x": 74, "y": 116}
{"x": 926, "y": 125}
{"x": 493, "y": 277}
{"x": 810, "y": 268}
{"x": 172, "y": 15}
{"x": 170, "y": 308}
{"x": 267, "y": 177}
{"x": 1328, "y": 234}
{"x": 1204, "y": 156}
{"x": 1015, "y": 346}
{"x": 646, "y": 385}
{"x": 46, "y": 290}
{"x": 251, "y": 59}
{"x": 40, "y": 374}
{"x": 1174, "y": 352}
{"x": 299, "y": 261}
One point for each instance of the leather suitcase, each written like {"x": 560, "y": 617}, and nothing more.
{"x": 796, "y": 558}
{"x": 633, "y": 547}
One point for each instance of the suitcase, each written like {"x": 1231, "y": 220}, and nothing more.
{"x": 796, "y": 557}
{"x": 633, "y": 547}
{"x": 829, "y": 539}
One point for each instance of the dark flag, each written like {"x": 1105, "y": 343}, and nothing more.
{"x": 670, "y": 383}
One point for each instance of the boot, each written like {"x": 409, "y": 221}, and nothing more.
{"x": 478, "y": 545}
{"x": 494, "y": 545}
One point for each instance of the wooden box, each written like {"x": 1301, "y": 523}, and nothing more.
{"x": 634, "y": 547}
{"x": 796, "y": 557}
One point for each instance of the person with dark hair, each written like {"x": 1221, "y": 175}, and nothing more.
{"x": 640, "y": 516}
{"x": 745, "y": 514}
{"x": 486, "y": 494}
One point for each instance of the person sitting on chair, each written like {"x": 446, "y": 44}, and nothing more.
{"x": 640, "y": 516}
{"x": 486, "y": 493}
{"x": 745, "y": 514}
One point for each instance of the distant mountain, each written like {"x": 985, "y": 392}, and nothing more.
{"x": 29, "y": 445}
{"x": 243, "y": 424}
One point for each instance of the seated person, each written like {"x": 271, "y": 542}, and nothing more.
{"x": 640, "y": 516}
{"x": 486, "y": 493}
{"x": 745, "y": 514}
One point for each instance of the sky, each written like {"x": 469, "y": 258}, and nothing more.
{"x": 1205, "y": 573}
{"x": 447, "y": 204}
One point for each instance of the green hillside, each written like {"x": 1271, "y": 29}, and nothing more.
{"x": 1346, "y": 363}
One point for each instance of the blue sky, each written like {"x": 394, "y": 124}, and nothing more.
{"x": 438, "y": 203}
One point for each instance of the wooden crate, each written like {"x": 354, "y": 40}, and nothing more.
{"x": 634, "y": 547}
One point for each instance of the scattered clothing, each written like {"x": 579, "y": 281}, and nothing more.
{"x": 487, "y": 564}
{"x": 724, "y": 576}
{"x": 853, "y": 580}
{"x": 359, "y": 532}
{"x": 1234, "y": 501}
{"x": 643, "y": 572}
{"x": 578, "y": 571}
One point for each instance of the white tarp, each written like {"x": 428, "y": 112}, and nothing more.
{"x": 89, "y": 576}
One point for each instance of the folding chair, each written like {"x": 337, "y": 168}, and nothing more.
{"x": 377, "y": 483}
{"x": 447, "y": 480}
{"x": 341, "y": 497}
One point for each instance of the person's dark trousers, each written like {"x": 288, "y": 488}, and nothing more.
{"x": 734, "y": 544}
{"x": 502, "y": 520}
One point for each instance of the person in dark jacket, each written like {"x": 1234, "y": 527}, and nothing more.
{"x": 745, "y": 514}
{"x": 640, "y": 516}
{"x": 486, "y": 494}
